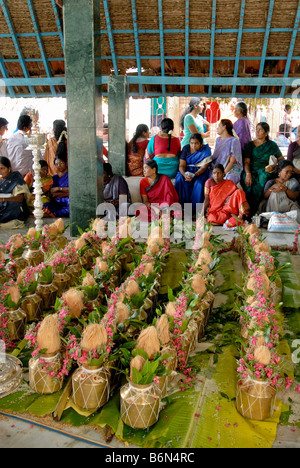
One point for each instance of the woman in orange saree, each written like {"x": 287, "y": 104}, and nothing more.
{"x": 224, "y": 201}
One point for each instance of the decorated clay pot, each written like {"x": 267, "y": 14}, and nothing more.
{"x": 16, "y": 324}
{"x": 255, "y": 399}
{"x": 140, "y": 405}
{"x": 39, "y": 379}
{"x": 34, "y": 257}
{"x": 91, "y": 387}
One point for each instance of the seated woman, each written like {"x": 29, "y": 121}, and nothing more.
{"x": 228, "y": 152}
{"x": 136, "y": 149}
{"x": 116, "y": 191}
{"x": 59, "y": 206}
{"x": 281, "y": 194}
{"x": 59, "y": 127}
{"x": 165, "y": 149}
{"x": 14, "y": 195}
{"x": 258, "y": 169}
{"x": 156, "y": 189}
{"x": 294, "y": 154}
{"x": 46, "y": 181}
{"x": 193, "y": 171}
{"x": 223, "y": 200}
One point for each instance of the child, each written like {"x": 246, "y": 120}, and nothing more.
{"x": 46, "y": 181}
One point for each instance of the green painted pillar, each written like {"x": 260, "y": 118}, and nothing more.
{"x": 118, "y": 109}
{"x": 84, "y": 112}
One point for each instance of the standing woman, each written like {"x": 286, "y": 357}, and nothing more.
{"x": 258, "y": 169}
{"x": 59, "y": 126}
{"x": 136, "y": 149}
{"x": 192, "y": 121}
{"x": 165, "y": 149}
{"x": 3, "y": 129}
{"x": 59, "y": 206}
{"x": 242, "y": 125}
{"x": 228, "y": 152}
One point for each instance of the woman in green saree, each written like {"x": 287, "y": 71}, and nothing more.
{"x": 257, "y": 167}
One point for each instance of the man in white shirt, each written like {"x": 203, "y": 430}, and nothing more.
{"x": 3, "y": 129}
{"x": 21, "y": 158}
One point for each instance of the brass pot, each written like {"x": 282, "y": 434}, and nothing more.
{"x": 62, "y": 282}
{"x": 40, "y": 380}
{"x": 140, "y": 405}
{"x": 33, "y": 307}
{"x": 16, "y": 324}
{"x": 91, "y": 387}
{"x": 74, "y": 271}
{"x": 48, "y": 292}
{"x": 172, "y": 361}
{"x": 34, "y": 257}
{"x": 4, "y": 276}
{"x": 88, "y": 259}
{"x": 17, "y": 264}
{"x": 255, "y": 399}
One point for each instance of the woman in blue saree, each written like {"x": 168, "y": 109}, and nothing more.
{"x": 59, "y": 206}
{"x": 193, "y": 171}
{"x": 14, "y": 195}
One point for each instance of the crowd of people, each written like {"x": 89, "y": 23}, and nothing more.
{"x": 17, "y": 176}
{"x": 234, "y": 180}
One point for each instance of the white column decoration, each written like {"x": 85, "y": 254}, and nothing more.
{"x": 36, "y": 142}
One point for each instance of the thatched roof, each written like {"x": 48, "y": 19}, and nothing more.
{"x": 169, "y": 47}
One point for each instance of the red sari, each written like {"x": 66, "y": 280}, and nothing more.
{"x": 161, "y": 192}
{"x": 225, "y": 200}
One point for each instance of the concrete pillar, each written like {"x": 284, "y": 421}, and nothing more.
{"x": 118, "y": 111}
{"x": 84, "y": 111}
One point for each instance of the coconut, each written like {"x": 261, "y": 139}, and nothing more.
{"x": 74, "y": 301}
{"x": 153, "y": 247}
{"x": 31, "y": 233}
{"x": 93, "y": 336}
{"x": 264, "y": 277}
{"x": 99, "y": 225}
{"x": 137, "y": 363}
{"x": 250, "y": 300}
{"x": 261, "y": 341}
{"x": 60, "y": 225}
{"x": 2, "y": 258}
{"x": 204, "y": 268}
{"x": 252, "y": 285}
{"x": 171, "y": 309}
{"x": 198, "y": 285}
{"x": 162, "y": 326}
{"x": 253, "y": 239}
{"x": 122, "y": 312}
{"x": 132, "y": 288}
{"x": 102, "y": 266}
{"x": 52, "y": 230}
{"x": 48, "y": 335}
{"x": 148, "y": 270}
{"x": 262, "y": 355}
{"x": 251, "y": 229}
{"x": 21, "y": 276}
{"x": 80, "y": 243}
{"x": 149, "y": 342}
{"x": 89, "y": 280}
{"x": 206, "y": 236}
{"x": 262, "y": 247}
{"x": 205, "y": 257}
{"x": 14, "y": 294}
{"x": 125, "y": 228}
{"x": 17, "y": 244}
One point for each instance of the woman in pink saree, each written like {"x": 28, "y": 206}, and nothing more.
{"x": 157, "y": 191}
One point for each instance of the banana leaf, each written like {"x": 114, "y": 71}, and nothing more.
{"x": 290, "y": 282}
